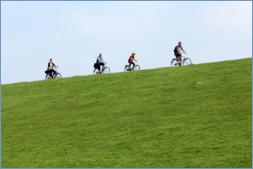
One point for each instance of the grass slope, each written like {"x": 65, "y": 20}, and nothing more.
{"x": 193, "y": 116}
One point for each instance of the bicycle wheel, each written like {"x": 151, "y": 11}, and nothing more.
{"x": 48, "y": 77}
{"x": 106, "y": 70}
{"x": 126, "y": 68}
{"x": 98, "y": 72}
{"x": 187, "y": 61}
{"x": 174, "y": 62}
{"x": 95, "y": 71}
{"x": 58, "y": 75}
{"x": 137, "y": 67}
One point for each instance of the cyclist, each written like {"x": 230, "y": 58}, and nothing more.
{"x": 131, "y": 60}
{"x": 50, "y": 68}
{"x": 99, "y": 63}
{"x": 178, "y": 51}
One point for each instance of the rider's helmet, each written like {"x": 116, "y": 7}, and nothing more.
{"x": 51, "y": 60}
{"x": 179, "y": 43}
{"x": 100, "y": 55}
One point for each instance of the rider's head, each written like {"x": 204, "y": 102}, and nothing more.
{"x": 100, "y": 54}
{"x": 50, "y": 60}
{"x": 179, "y": 43}
{"x": 133, "y": 54}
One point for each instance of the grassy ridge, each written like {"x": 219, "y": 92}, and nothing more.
{"x": 193, "y": 116}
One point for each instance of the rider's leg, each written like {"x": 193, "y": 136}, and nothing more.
{"x": 54, "y": 73}
{"x": 129, "y": 65}
{"x": 103, "y": 66}
{"x": 50, "y": 72}
{"x": 95, "y": 67}
{"x": 176, "y": 59}
{"x": 133, "y": 64}
{"x": 180, "y": 60}
{"x": 98, "y": 67}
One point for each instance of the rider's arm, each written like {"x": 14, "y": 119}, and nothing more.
{"x": 183, "y": 50}
{"x": 100, "y": 60}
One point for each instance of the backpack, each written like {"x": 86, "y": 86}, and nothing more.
{"x": 175, "y": 50}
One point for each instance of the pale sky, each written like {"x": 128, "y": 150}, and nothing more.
{"x": 74, "y": 33}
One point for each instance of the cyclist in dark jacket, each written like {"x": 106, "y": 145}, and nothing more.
{"x": 178, "y": 51}
{"x": 50, "y": 68}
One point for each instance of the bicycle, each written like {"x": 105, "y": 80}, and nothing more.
{"x": 128, "y": 68}
{"x": 183, "y": 61}
{"x": 55, "y": 75}
{"x": 105, "y": 70}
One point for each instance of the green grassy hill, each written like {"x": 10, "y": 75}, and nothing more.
{"x": 192, "y": 116}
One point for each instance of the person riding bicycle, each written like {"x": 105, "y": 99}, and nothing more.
{"x": 131, "y": 60}
{"x": 100, "y": 63}
{"x": 178, "y": 51}
{"x": 51, "y": 68}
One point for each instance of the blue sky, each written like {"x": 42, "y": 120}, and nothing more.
{"x": 73, "y": 33}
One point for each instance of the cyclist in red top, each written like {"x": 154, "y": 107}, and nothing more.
{"x": 131, "y": 60}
